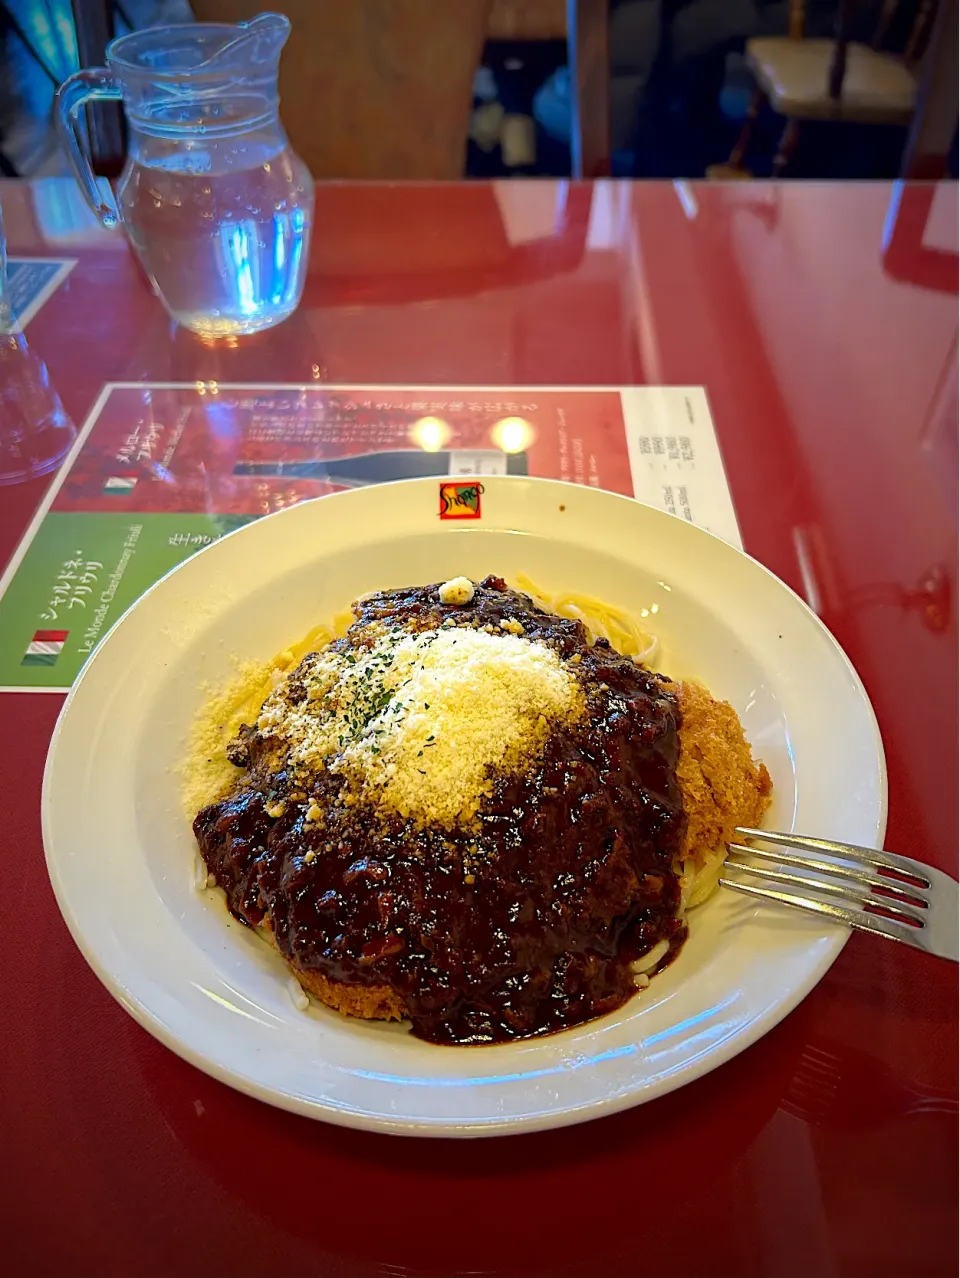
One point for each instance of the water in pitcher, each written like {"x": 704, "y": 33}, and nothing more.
{"x": 222, "y": 230}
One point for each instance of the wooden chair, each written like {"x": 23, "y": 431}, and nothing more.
{"x": 934, "y": 128}
{"x": 834, "y": 79}
{"x": 374, "y": 88}
{"x": 584, "y": 24}
{"x": 383, "y": 88}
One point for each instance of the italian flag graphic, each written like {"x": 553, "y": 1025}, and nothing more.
{"x": 44, "y": 648}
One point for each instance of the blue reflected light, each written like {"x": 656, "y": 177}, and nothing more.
{"x": 297, "y": 222}
{"x": 287, "y": 227}
{"x": 687, "y": 1023}
{"x": 890, "y": 221}
{"x": 565, "y": 1067}
{"x": 279, "y": 254}
{"x": 238, "y": 249}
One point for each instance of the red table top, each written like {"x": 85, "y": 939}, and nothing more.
{"x": 822, "y": 321}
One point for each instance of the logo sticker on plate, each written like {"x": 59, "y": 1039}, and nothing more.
{"x": 460, "y": 501}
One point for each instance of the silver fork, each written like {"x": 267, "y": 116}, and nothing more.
{"x": 879, "y": 892}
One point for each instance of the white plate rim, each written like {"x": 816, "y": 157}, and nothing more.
{"x": 834, "y": 938}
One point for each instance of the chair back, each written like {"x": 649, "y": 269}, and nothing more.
{"x": 374, "y": 88}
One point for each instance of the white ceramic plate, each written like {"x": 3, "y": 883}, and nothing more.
{"x": 120, "y": 851}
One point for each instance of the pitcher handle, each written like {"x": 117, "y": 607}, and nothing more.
{"x": 94, "y": 85}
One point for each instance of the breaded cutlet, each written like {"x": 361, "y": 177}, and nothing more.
{"x": 368, "y": 1002}
{"x": 722, "y": 787}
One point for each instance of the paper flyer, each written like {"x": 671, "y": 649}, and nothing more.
{"x": 30, "y": 281}
{"x": 159, "y": 471}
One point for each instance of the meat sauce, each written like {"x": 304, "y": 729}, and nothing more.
{"x": 525, "y": 925}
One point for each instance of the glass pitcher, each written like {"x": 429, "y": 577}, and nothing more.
{"x": 215, "y": 202}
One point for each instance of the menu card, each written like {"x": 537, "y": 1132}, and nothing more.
{"x": 30, "y": 281}
{"x": 159, "y": 471}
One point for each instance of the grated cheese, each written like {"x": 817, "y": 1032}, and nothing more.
{"x": 206, "y": 773}
{"x": 419, "y": 721}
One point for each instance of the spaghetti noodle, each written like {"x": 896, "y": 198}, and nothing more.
{"x": 602, "y": 620}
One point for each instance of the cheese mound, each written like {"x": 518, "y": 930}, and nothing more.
{"x": 421, "y": 722}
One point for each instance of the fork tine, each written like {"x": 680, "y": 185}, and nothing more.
{"x": 852, "y": 851}
{"x": 875, "y": 923}
{"x": 847, "y": 893}
{"x": 852, "y": 873}
{"x": 895, "y": 901}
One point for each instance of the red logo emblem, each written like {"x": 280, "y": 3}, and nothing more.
{"x": 460, "y": 501}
